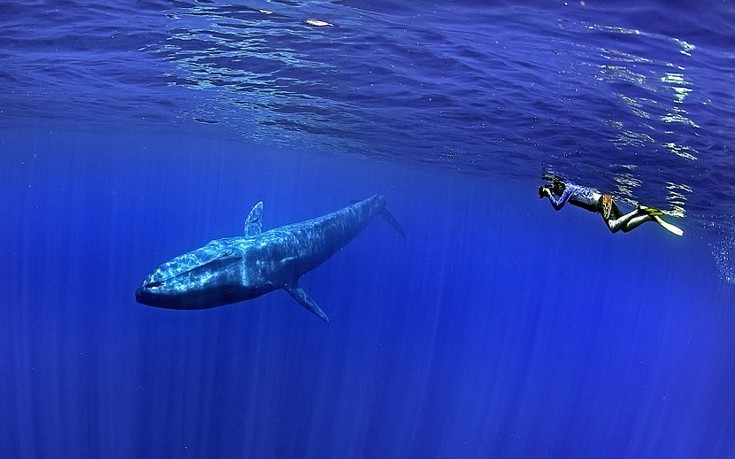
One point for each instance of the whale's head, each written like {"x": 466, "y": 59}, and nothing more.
{"x": 204, "y": 278}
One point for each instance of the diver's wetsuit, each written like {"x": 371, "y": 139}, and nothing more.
{"x": 589, "y": 199}
{"x": 580, "y": 196}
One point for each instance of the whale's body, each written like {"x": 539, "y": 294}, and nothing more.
{"x": 241, "y": 268}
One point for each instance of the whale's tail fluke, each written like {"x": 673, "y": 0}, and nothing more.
{"x": 385, "y": 213}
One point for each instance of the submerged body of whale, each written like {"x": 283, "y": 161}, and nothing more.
{"x": 241, "y": 268}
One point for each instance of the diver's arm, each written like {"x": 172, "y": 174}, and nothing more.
{"x": 559, "y": 202}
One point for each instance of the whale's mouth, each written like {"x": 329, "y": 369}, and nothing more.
{"x": 147, "y": 294}
{"x": 153, "y": 284}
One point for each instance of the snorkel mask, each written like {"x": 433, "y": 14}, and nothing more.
{"x": 555, "y": 186}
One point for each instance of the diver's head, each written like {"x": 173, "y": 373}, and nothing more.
{"x": 558, "y": 187}
{"x": 555, "y": 182}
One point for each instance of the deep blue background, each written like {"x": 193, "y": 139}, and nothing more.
{"x": 131, "y": 132}
{"x": 499, "y": 328}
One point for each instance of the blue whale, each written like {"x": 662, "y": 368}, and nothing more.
{"x": 241, "y": 268}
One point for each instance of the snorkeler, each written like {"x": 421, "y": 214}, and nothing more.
{"x": 560, "y": 192}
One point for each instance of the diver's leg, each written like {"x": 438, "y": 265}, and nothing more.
{"x": 627, "y": 222}
{"x": 636, "y": 221}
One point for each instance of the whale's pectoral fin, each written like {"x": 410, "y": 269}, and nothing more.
{"x": 305, "y": 300}
{"x": 385, "y": 213}
{"x": 254, "y": 222}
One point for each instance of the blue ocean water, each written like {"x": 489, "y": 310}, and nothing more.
{"x": 133, "y": 132}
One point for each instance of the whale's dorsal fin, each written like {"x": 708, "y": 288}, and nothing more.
{"x": 305, "y": 300}
{"x": 254, "y": 222}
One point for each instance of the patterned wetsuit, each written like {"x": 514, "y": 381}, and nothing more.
{"x": 581, "y": 196}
